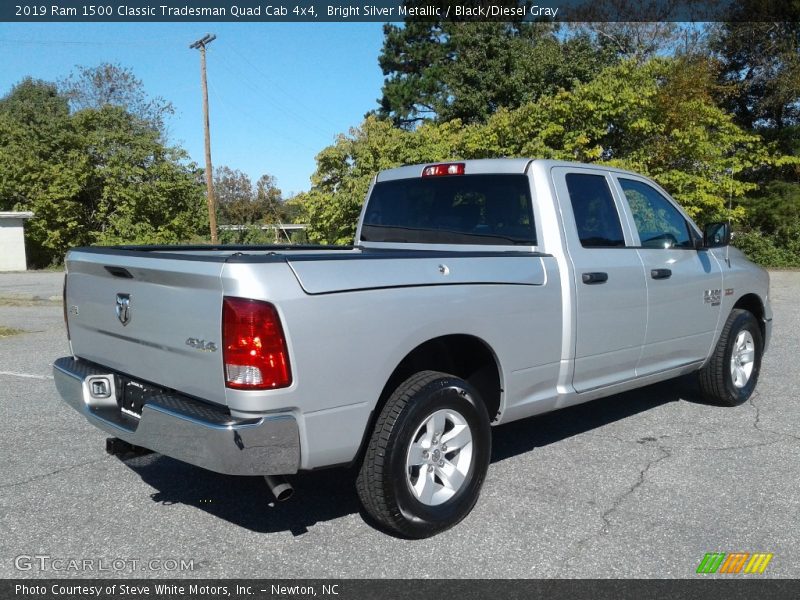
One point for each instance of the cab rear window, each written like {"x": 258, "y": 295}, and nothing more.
{"x": 458, "y": 209}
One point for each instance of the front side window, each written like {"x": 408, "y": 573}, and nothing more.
{"x": 596, "y": 216}
{"x": 457, "y": 209}
{"x": 659, "y": 223}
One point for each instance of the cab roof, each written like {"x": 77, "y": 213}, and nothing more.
{"x": 508, "y": 166}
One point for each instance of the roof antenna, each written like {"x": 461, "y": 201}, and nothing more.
{"x": 729, "y": 171}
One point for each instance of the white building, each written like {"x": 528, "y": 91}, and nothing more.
{"x": 12, "y": 241}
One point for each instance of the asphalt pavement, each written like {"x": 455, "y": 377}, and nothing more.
{"x": 641, "y": 485}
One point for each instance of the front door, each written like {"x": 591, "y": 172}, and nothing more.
{"x": 683, "y": 283}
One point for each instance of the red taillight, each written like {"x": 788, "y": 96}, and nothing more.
{"x": 443, "y": 169}
{"x": 255, "y": 353}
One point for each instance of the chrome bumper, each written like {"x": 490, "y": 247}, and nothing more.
{"x": 183, "y": 428}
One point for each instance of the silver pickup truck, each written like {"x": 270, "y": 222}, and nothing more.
{"x": 477, "y": 293}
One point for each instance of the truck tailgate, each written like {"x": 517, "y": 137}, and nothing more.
{"x": 156, "y": 319}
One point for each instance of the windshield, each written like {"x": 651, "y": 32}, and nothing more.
{"x": 457, "y": 209}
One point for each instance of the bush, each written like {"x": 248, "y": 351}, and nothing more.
{"x": 770, "y": 250}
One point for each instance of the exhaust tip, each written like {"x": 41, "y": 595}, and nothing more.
{"x": 280, "y": 488}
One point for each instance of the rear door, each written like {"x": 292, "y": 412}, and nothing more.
{"x": 610, "y": 289}
{"x": 683, "y": 284}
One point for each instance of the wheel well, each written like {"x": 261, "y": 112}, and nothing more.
{"x": 753, "y": 304}
{"x": 464, "y": 356}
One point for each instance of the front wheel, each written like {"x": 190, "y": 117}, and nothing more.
{"x": 730, "y": 375}
{"x": 427, "y": 457}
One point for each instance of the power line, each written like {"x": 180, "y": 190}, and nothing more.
{"x": 138, "y": 42}
{"x": 256, "y": 116}
{"x": 276, "y": 99}
{"x": 242, "y": 108}
{"x": 261, "y": 92}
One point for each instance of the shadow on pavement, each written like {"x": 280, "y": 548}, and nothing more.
{"x": 330, "y": 494}
{"x": 525, "y": 435}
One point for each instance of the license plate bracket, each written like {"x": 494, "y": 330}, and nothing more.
{"x": 133, "y": 397}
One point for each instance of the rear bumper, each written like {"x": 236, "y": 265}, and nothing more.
{"x": 183, "y": 428}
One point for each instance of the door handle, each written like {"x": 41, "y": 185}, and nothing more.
{"x": 661, "y": 273}
{"x": 592, "y": 278}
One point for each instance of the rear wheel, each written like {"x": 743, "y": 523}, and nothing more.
{"x": 730, "y": 375}
{"x": 427, "y": 457}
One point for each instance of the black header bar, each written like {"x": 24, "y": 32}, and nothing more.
{"x": 267, "y": 11}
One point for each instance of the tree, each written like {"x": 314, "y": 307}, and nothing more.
{"x": 759, "y": 76}
{"x": 270, "y": 197}
{"x": 138, "y": 189}
{"x": 448, "y": 70}
{"x": 233, "y": 191}
{"x": 248, "y": 207}
{"x": 642, "y": 40}
{"x": 760, "y": 66}
{"x": 240, "y": 203}
{"x": 412, "y": 56}
{"x": 639, "y": 30}
{"x": 658, "y": 118}
{"x": 38, "y": 167}
{"x": 33, "y": 125}
{"x": 34, "y": 102}
{"x": 114, "y": 85}
{"x": 96, "y": 176}
{"x": 345, "y": 169}
{"x": 775, "y": 209}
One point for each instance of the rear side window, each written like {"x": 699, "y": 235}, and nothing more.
{"x": 659, "y": 223}
{"x": 456, "y": 209}
{"x": 596, "y": 216}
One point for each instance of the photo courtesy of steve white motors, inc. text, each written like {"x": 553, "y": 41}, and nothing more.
{"x": 169, "y": 589}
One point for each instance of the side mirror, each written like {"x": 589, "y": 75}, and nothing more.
{"x": 716, "y": 235}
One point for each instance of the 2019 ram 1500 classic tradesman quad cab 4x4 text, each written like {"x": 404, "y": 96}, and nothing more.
{"x": 477, "y": 293}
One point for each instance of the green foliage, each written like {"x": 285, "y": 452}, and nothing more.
{"x": 97, "y": 176}
{"x": 293, "y": 210}
{"x": 656, "y": 118}
{"x": 775, "y": 209}
{"x": 771, "y": 250}
{"x": 761, "y": 65}
{"x": 345, "y": 169}
{"x": 232, "y": 186}
{"x": 114, "y": 85}
{"x": 468, "y": 70}
{"x": 244, "y": 208}
{"x": 759, "y": 76}
{"x": 639, "y": 40}
{"x": 771, "y": 233}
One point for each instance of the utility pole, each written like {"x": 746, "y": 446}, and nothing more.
{"x": 212, "y": 212}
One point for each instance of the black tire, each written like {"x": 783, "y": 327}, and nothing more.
{"x": 384, "y": 482}
{"x": 715, "y": 378}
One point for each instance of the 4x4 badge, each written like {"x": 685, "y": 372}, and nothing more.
{"x": 124, "y": 308}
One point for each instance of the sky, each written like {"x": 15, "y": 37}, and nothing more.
{"x": 278, "y": 92}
